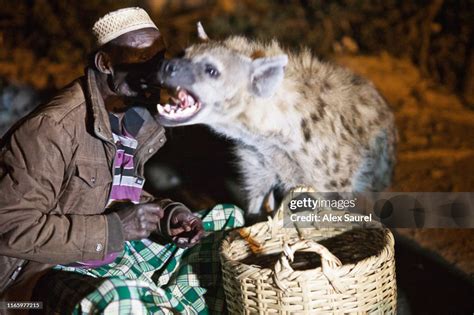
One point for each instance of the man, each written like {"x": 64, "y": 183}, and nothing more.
{"x": 71, "y": 178}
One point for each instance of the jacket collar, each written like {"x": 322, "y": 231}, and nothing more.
{"x": 99, "y": 113}
{"x": 149, "y": 133}
{"x": 132, "y": 123}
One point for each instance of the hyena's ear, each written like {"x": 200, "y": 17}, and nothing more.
{"x": 201, "y": 32}
{"x": 267, "y": 74}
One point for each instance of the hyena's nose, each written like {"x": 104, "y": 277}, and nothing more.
{"x": 176, "y": 72}
{"x": 170, "y": 67}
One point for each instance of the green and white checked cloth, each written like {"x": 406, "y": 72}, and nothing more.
{"x": 148, "y": 278}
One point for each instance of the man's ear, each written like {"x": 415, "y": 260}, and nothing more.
{"x": 201, "y": 32}
{"x": 102, "y": 62}
{"x": 267, "y": 74}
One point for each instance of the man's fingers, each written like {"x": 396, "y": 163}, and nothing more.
{"x": 148, "y": 222}
{"x": 148, "y": 226}
{"x": 187, "y": 227}
{"x": 148, "y": 218}
{"x": 145, "y": 230}
{"x": 176, "y": 231}
{"x": 153, "y": 208}
{"x": 143, "y": 234}
{"x": 183, "y": 227}
{"x": 138, "y": 235}
{"x": 151, "y": 217}
{"x": 195, "y": 222}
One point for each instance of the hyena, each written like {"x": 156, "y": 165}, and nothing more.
{"x": 296, "y": 120}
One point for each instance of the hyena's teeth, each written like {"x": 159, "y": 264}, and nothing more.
{"x": 161, "y": 109}
{"x": 182, "y": 110}
{"x": 190, "y": 100}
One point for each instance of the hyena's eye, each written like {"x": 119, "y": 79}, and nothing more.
{"x": 211, "y": 71}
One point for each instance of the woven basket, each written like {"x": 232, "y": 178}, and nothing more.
{"x": 271, "y": 270}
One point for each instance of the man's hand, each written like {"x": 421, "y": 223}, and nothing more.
{"x": 186, "y": 229}
{"x": 138, "y": 221}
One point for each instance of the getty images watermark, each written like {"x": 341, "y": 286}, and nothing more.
{"x": 390, "y": 209}
{"x": 317, "y": 213}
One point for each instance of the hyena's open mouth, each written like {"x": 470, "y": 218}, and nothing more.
{"x": 181, "y": 106}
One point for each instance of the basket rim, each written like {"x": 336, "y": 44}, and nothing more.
{"x": 389, "y": 246}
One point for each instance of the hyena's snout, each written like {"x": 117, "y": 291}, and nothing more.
{"x": 176, "y": 72}
{"x": 177, "y": 77}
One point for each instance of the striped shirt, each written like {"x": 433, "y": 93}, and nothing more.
{"x": 126, "y": 184}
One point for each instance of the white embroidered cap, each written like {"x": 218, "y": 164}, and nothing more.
{"x": 119, "y": 22}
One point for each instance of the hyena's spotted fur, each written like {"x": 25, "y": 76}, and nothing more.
{"x": 320, "y": 125}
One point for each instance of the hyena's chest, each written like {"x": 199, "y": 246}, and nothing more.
{"x": 291, "y": 168}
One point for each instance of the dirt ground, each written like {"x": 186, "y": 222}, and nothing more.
{"x": 436, "y": 148}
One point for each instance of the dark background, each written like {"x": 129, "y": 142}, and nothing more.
{"x": 436, "y": 35}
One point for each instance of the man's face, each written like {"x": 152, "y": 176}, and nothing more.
{"x": 133, "y": 59}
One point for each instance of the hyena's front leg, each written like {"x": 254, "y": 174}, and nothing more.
{"x": 267, "y": 205}
{"x": 258, "y": 179}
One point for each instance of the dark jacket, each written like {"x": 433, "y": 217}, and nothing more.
{"x": 55, "y": 178}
